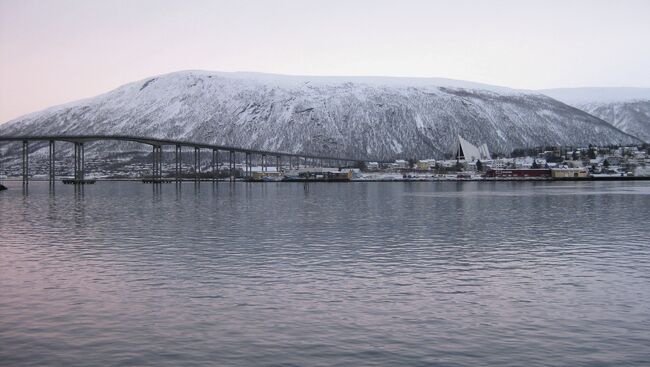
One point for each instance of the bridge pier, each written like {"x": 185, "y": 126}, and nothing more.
{"x": 79, "y": 161}
{"x": 277, "y": 163}
{"x": 79, "y": 166}
{"x": 157, "y": 163}
{"x": 25, "y": 162}
{"x": 156, "y": 167}
{"x": 51, "y": 161}
{"x": 154, "y": 163}
{"x": 197, "y": 163}
{"x": 215, "y": 164}
{"x": 249, "y": 169}
{"x": 177, "y": 173}
{"x": 232, "y": 165}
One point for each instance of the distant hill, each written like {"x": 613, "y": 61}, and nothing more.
{"x": 627, "y": 109}
{"x": 374, "y": 117}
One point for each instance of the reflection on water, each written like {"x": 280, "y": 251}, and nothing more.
{"x": 325, "y": 274}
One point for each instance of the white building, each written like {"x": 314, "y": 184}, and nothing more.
{"x": 467, "y": 151}
{"x": 401, "y": 163}
{"x": 372, "y": 165}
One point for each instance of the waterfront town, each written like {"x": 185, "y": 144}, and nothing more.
{"x": 467, "y": 162}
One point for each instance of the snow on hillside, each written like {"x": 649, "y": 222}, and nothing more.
{"x": 633, "y": 117}
{"x": 628, "y": 109}
{"x": 372, "y": 117}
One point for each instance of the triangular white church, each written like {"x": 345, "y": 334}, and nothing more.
{"x": 467, "y": 151}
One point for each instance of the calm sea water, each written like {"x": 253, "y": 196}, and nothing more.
{"x": 360, "y": 274}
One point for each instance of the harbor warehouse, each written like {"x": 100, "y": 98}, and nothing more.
{"x": 518, "y": 173}
{"x": 569, "y": 173}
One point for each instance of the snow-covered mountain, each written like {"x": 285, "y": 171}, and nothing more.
{"x": 632, "y": 117}
{"x": 628, "y": 109}
{"x": 379, "y": 118}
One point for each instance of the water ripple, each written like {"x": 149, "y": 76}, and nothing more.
{"x": 373, "y": 274}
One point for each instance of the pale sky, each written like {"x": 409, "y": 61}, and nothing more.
{"x": 56, "y": 51}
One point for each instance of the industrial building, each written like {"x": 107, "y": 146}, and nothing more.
{"x": 540, "y": 173}
{"x": 569, "y": 173}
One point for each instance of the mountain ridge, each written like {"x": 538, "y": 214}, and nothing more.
{"x": 385, "y": 118}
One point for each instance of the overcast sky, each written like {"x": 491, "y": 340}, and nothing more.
{"x": 55, "y": 51}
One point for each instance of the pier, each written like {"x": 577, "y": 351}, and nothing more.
{"x": 68, "y": 181}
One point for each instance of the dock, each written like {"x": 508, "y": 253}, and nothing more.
{"x": 157, "y": 180}
{"x": 72, "y": 181}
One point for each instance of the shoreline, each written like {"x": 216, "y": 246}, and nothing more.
{"x": 171, "y": 180}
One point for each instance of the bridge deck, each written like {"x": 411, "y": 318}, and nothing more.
{"x": 173, "y": 142}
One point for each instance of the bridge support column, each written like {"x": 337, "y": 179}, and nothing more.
{"x": 51, "y": 162}
{"x": 232, "y": 165}
{"x": 248, "y": 164}
{"x": 277, "y": 163}
{"x": 178, "y": 162}
{"x": 197, "y": 163}
{"x": 79, "y": 151}
{"x": 25, "y": 162}
{"x": 215, "y": 164}
{"x": 157, "y": 163}
{"x": 154, "y": 165}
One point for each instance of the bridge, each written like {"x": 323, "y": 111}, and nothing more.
{"x": 157, "y": 144}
